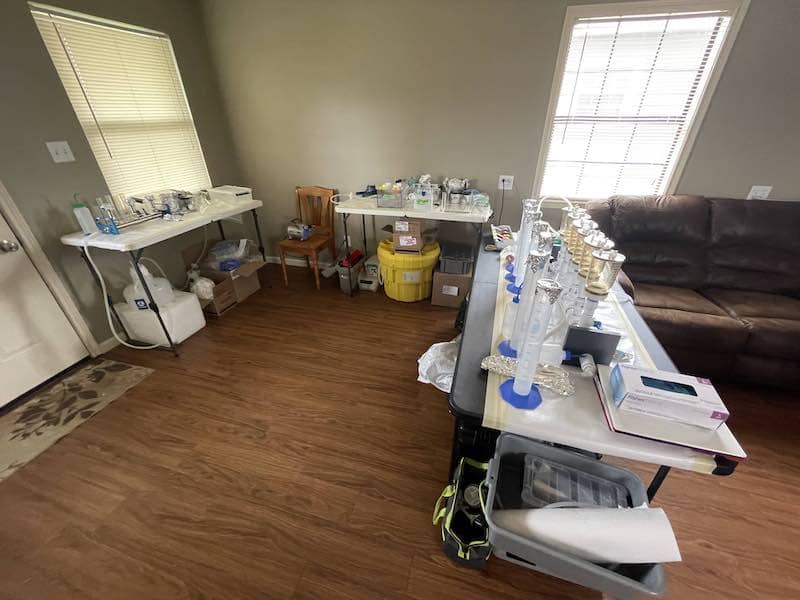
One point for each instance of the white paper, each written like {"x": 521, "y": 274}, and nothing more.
{"x": 603, "y": 535}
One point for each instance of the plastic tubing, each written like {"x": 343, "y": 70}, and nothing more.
{"x": 105, "y": 295}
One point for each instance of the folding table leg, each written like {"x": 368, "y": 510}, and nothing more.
{"x": 658, "y": 479}
{"x": 108, "y": 299}
{"x": 153, "y": 306}
{"x": 347, "y": 251}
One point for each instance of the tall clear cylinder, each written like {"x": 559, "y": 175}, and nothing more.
{"x": 526, "y": 229}
{"x": 547, "y": 292}
{"x": 537, "y": 263}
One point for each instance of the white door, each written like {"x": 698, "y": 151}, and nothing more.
{"x": 36, "y": 340}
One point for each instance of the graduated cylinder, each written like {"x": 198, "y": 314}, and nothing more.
{"x": 547, "y": 292}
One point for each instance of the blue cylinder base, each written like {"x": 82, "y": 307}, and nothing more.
{"x": 505, "y": 349}
{"x": 510, "y": 267}
{"x": 529, "y": 402}
{"x": 513, "y": 289}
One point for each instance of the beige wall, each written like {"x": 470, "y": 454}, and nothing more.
{"x": 34, "y": 109}
{"x": 346, "y": 92}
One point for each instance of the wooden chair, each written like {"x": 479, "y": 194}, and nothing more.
{"x": 314, "y": 208}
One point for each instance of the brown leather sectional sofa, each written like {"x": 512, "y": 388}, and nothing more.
{"x": 717, "y": 280}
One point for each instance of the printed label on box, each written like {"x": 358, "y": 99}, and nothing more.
{"x": 401, "y": 226}
{"x": 450, "y": 290}
{"x": 412, "y": 276}
{"x": 407, "y": 240}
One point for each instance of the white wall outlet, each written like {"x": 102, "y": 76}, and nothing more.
{"x": 505, "y": 182}
{"x": 60, "y": 151}
{"x": 759, "y": 192}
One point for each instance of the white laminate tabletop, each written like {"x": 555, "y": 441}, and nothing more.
{"x": 369, "y": 206}
{"x": 154, "y": 231}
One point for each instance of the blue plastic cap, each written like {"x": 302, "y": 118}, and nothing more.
{"x": 529, "y": 402}
{"x": 567, "y": 355}
{"x": 598, "y": 325}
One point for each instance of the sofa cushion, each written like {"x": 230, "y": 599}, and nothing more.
{"x": 660, "y": 218}
{"x": 663, "y": 238}
{"x": 773, "y": 337}
{"x": 744, "y": 304}
{"x": 784, "y": 373}
{"x": 754, "y": 245}
{"x": 714, "y": 365}
{"x": 676, "y": 298}
{"x": 717, "y": 333}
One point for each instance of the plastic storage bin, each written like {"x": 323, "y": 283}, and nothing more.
{"x": 505, "y": 482}
{"x": 389, "y": 199}
{"x": 348, "y": 278}
{"x": 458, "y": 202}
{"x": 456, "y": 258}
{"x": 423, "y": 196}
{"x": 407, "y": 277}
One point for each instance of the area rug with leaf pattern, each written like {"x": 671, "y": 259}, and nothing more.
{"x": 38, "y": 422}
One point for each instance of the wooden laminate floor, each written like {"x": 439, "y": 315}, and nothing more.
{"x": 290, "y": 453}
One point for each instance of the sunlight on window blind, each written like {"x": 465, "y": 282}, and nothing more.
{"x": 629, "y": 90}
{"x": 127, "y": 93}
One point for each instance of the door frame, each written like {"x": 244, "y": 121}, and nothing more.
{"x": 33, "y": 249}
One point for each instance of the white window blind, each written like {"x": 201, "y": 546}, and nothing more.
{"x": 629, "y": 91}
{"x": 127, "y": 92}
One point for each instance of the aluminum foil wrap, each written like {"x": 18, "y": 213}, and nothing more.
{"x": 553, "y": 378}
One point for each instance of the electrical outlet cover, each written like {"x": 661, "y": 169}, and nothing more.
{"x": 505, "y": 182}
{"x": 60, "y": 151}
{"x": 759, "y": 192}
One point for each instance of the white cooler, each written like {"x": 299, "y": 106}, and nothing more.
{"x": 183, "y": 317}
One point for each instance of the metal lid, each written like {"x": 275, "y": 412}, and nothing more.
{"x": 550, "y": 287}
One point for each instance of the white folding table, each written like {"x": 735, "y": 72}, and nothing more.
{"x": 136, "y": 238}
{"x": 575, "y": 422}
{"x": 368, "y": 205}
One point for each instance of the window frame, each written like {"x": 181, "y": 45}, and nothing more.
{"x": 737, "y": 8}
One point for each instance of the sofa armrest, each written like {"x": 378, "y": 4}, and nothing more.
{"x": 626, "y": 284}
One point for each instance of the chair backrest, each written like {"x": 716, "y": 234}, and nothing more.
{"x": 314, "y": 206}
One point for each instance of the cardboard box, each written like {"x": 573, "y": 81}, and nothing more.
{"x": 407, "y": 236}
{"x": 231, "y": 287}
{"x": 665, "y": 395}
{"x": 450, "y": 289}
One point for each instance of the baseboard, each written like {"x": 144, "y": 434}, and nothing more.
{"x": 294, "y": 261}
{"x": 107, "y": 345}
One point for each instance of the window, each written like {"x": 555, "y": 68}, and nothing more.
{"x": 124, "y": 85}
{"x": 631, "y": 81}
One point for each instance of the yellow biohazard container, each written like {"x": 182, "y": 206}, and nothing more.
{"x": 407, "y": 276}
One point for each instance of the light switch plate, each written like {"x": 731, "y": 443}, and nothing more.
{"x": 505, "y": 182}
{"x": 60, "y": 151}
{"x": 759, "y": 192}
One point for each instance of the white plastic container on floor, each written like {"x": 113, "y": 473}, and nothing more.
{"x": 183, "y": 317}
{"x": 135, "y": 295}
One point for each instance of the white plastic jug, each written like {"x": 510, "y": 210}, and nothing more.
{"x": 160, "y": 288}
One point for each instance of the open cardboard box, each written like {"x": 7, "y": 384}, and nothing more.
{"x": 231, "y": 287}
